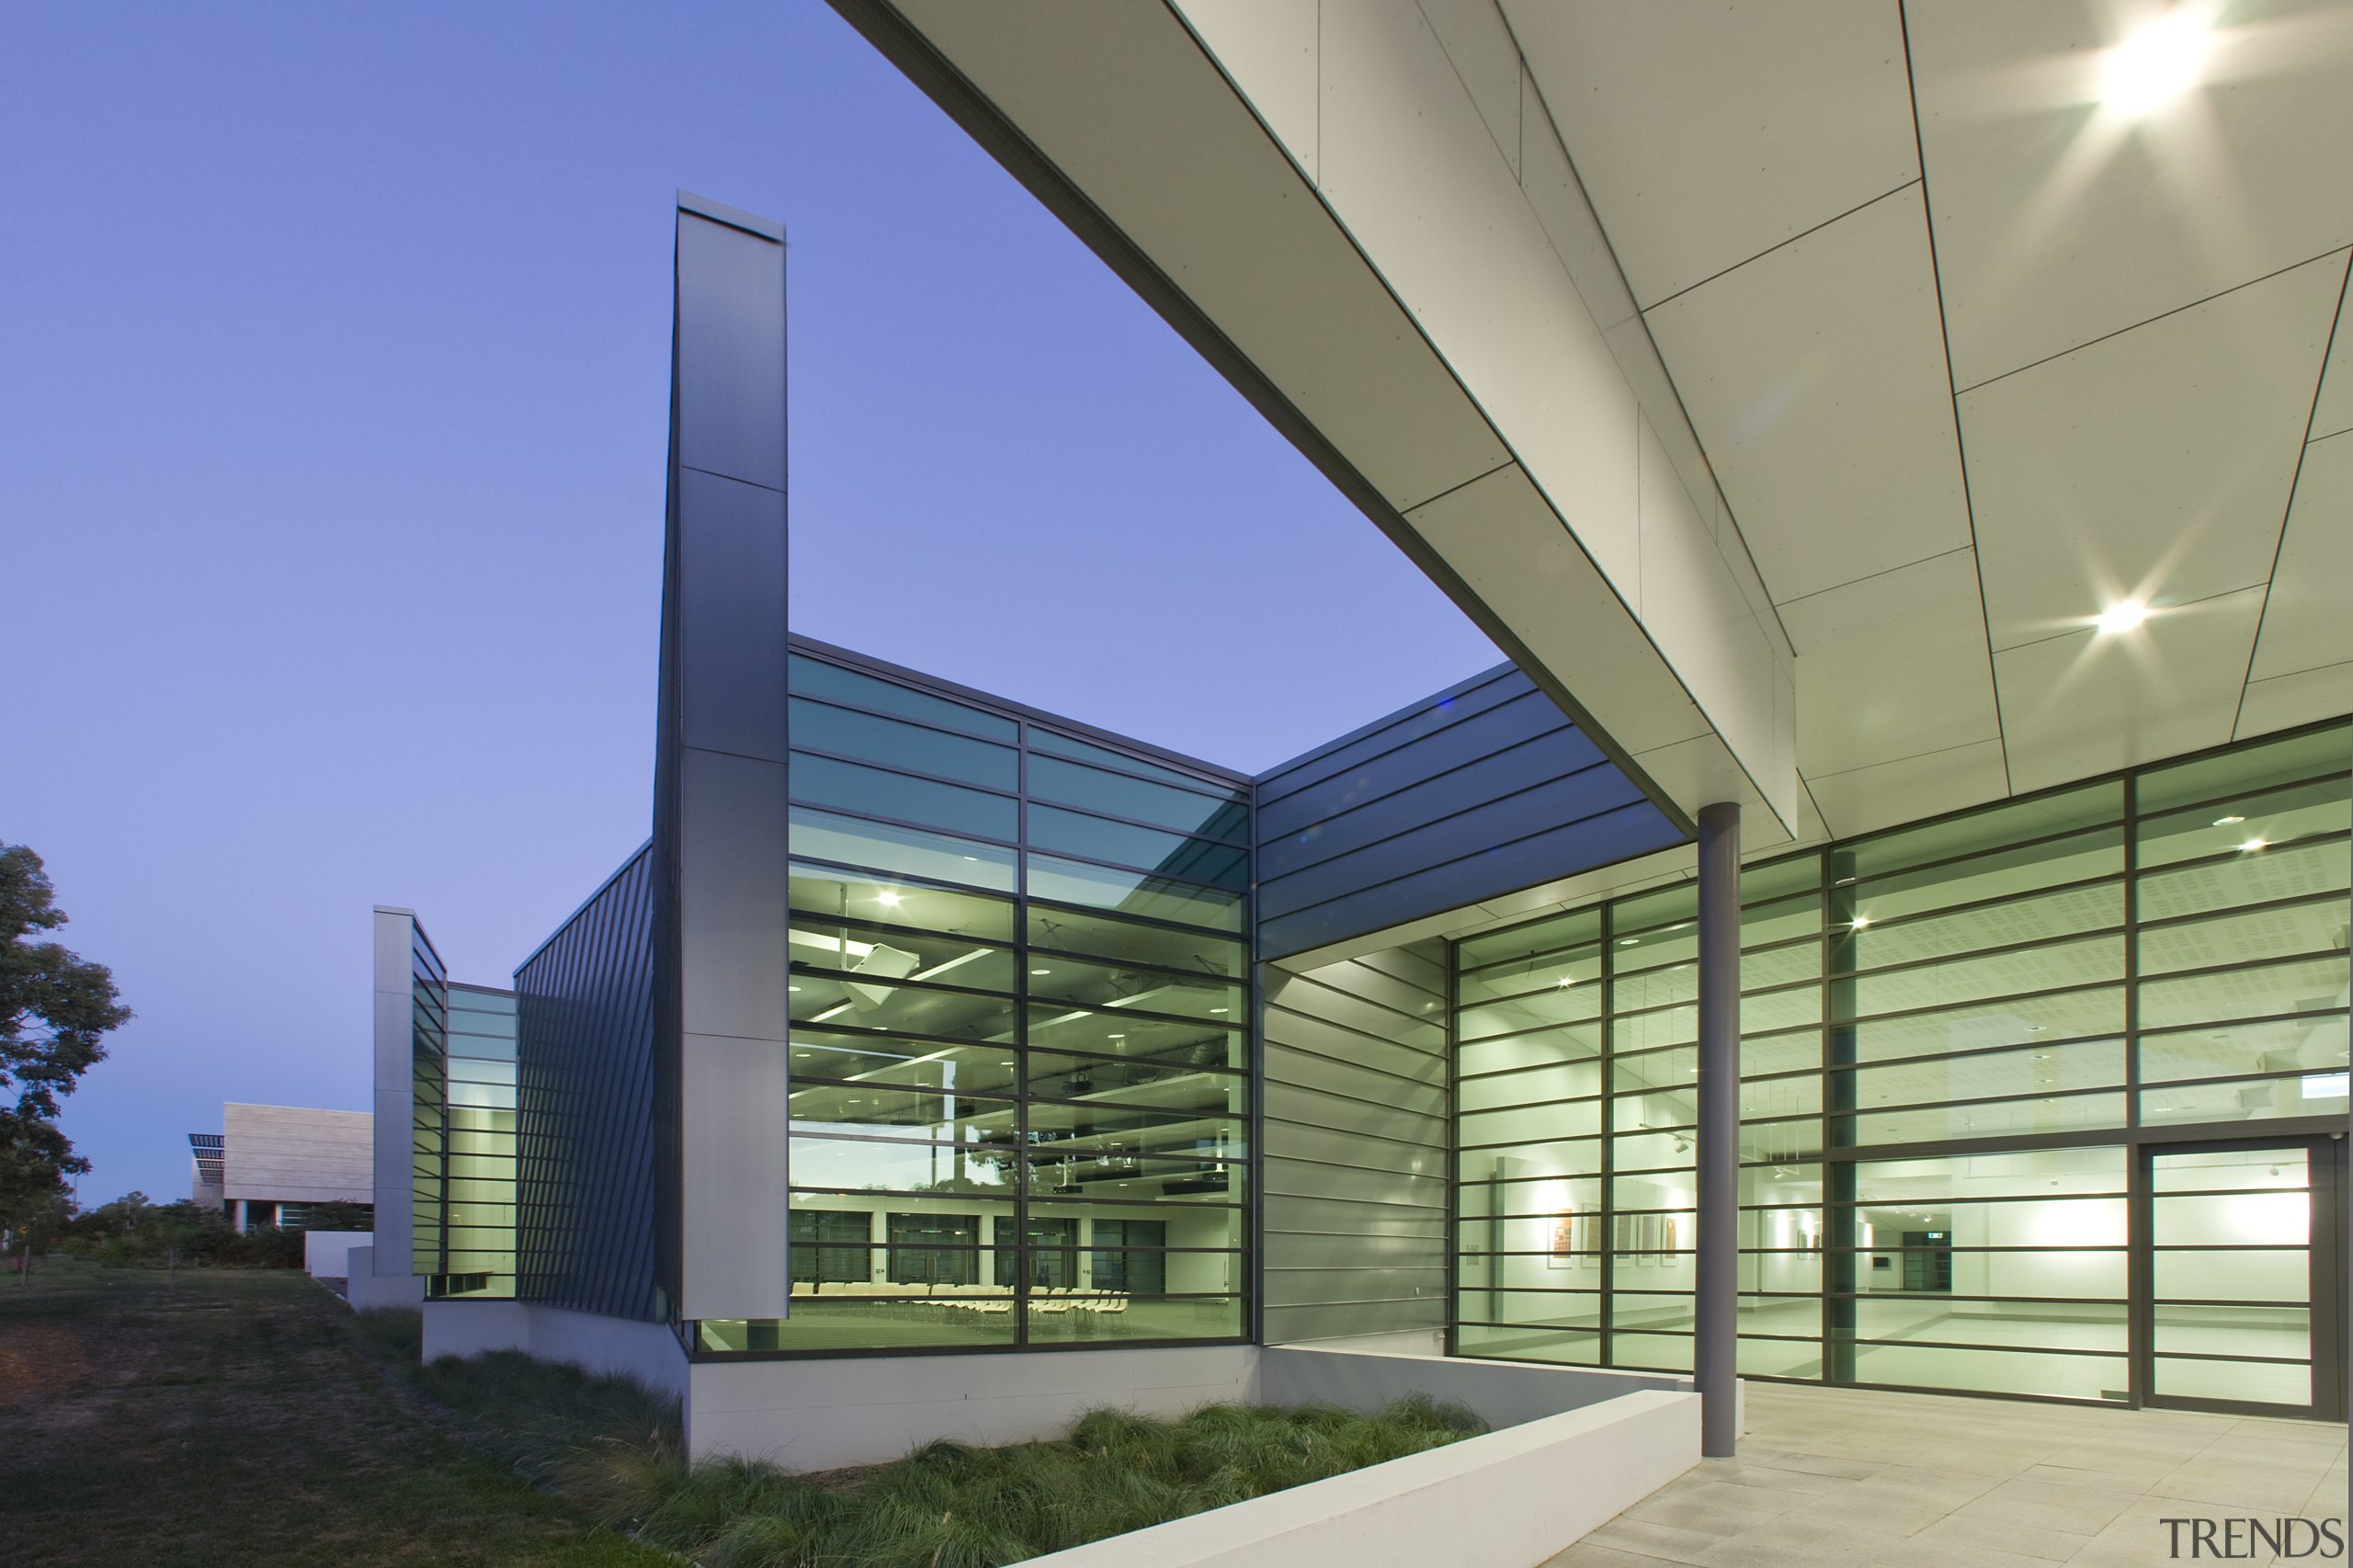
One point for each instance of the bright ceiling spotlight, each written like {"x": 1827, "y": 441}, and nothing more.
{"x": 887, "y": 899}
{"x": 2121, "y": 618}
{"x": 2226, "y": 821}
{"x": 1862, "y": 922}
{"x": 2158, "y": 62}
{"x": 2252, "y": 845}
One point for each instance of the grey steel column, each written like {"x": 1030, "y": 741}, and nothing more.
{"x": 1717, "y": 1342}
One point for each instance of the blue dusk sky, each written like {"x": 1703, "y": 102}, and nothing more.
{"x": 332, "y": 433}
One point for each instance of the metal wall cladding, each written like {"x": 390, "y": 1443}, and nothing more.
{"x": 1482, "y": 789}
{"x": 585, "y": 1230}
{"x": 1354, "y": 1147}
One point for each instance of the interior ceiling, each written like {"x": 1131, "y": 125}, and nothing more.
{"x": 1976, "y": 356}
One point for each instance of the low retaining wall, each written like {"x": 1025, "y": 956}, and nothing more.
{"x": 1503, "y": 1393}
{"x": 1511, "y": 1499}
{"x": 647, "y": 1351}
{"x": 821, "y": 1413}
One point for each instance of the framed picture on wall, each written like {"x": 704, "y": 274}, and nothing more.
{"x": 1562, "y": 1254}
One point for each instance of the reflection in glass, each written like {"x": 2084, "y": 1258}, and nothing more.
{"x": 843, "y": 731}
{"x": 850, "y": 786}
{"x": 828, "y": 836}
{"x": 1094, "y": 789}
{"x": 1152, "y": 898}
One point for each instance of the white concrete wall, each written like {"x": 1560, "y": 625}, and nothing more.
{"x": 1503, "y": 1393}
{"x": 366, "y": 1289}
{"x": 649, "y": 1352}
{"x": 1511, "y": 1499}
{"x": 326, "y": 1254}
{"x": 294, "y": 1153}
{"x": 819, "y": 1414}
{"x": 393, "y": 1177}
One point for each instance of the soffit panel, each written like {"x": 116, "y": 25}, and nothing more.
{"x": 1272, "y": 45}
{"x": 1896, "y": 666}
{"x": 1499, "y": 534}
{"x": 1480, "y": 47}
{"x": 1707, "y": 132}
{"x": 2086, "y": 704}
{"x": 2058, "y": 222}
{"x": 2306, "y": 623}
{"x": 1223, "y": 212}
{"x": 1816, "y": 376}
{"x": 2154, "y": 464}
{"x": 2333, "y": 411}
{"x": 1703, "y": 769}
{"x": 2285, "y": 701}
{"x": 1908, "y": 789}
{"x": 1412, "y": 170}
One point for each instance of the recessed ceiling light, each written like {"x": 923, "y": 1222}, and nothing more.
{"x": 2121, "y": 616}
{"x": 887, "y": 899}
{"x": 2157, "y": 63}
{"x": 1861, "y": 921}
{"x": 1217, "y": 1009}
{"x": 792, "y": 988}
{"x": 1041, "y": 972}
{"x": 1628, "y": 941}
{"x": 2253, "y": 844}
{"x": 2228, "y": 822}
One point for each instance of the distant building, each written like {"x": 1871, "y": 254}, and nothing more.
{"x": 270, "y": 1164}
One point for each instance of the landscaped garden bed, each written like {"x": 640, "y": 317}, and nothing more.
{"x": 612, "y": 1449}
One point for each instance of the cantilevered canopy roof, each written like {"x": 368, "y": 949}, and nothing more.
{"x": 1789, "y": 387}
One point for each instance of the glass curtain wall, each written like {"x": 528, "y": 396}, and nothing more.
{"x": 1953, "y": 1037}
{"x": 429, "y": 1071}
{"x": 1020, "y": 1060}
{"x": 478, "y": 1140}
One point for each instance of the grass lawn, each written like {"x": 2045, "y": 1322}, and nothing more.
{"x": 234, "y": 1418}
{"x": 246, "y": 1417}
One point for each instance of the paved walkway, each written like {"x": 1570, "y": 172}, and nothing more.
{"x": 1831, "y": 1477}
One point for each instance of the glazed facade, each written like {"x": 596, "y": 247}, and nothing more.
{"x": 2044, "y": 1098}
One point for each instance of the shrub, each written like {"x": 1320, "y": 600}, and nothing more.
{"x": 133, "y": 1232}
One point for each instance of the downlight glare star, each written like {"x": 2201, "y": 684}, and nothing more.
{"x": 2157, "y": 63}
{"x": 2121, "y": 618}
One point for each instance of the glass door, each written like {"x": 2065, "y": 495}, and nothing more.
{"x": 2244, "y": 1305}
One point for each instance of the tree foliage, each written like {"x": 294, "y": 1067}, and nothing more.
{"x": 55, "y": 1010}
{"x": 134, "y": 1233}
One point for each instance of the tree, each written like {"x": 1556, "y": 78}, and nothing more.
{"x": 55, "y": 1008}
{"x": 337, "y": 1216}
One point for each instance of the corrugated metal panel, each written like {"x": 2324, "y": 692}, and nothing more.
{"x": 1353, "y": 1158}
{"x": 1484, "y": 789}
{"x": 586, "y": 1125}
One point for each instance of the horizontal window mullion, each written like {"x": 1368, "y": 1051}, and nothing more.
{"x": 2246, "y": 966}
{"x": 1964, "y": 1345}
{"x": 2238, "y": 796}
{"x": 1972, "y": 955}
{"x": 2077, "y": 1092}
{"x": 2230, "y": 912}
{"x": 1000, "y": 791}
{"x": 2078, "y": 988}
{"x": 1224, "y": 981}
{"x": 1064, "y": 805}
{"x": 1240, "y": 895}
{"x": 1991, "y": 901}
